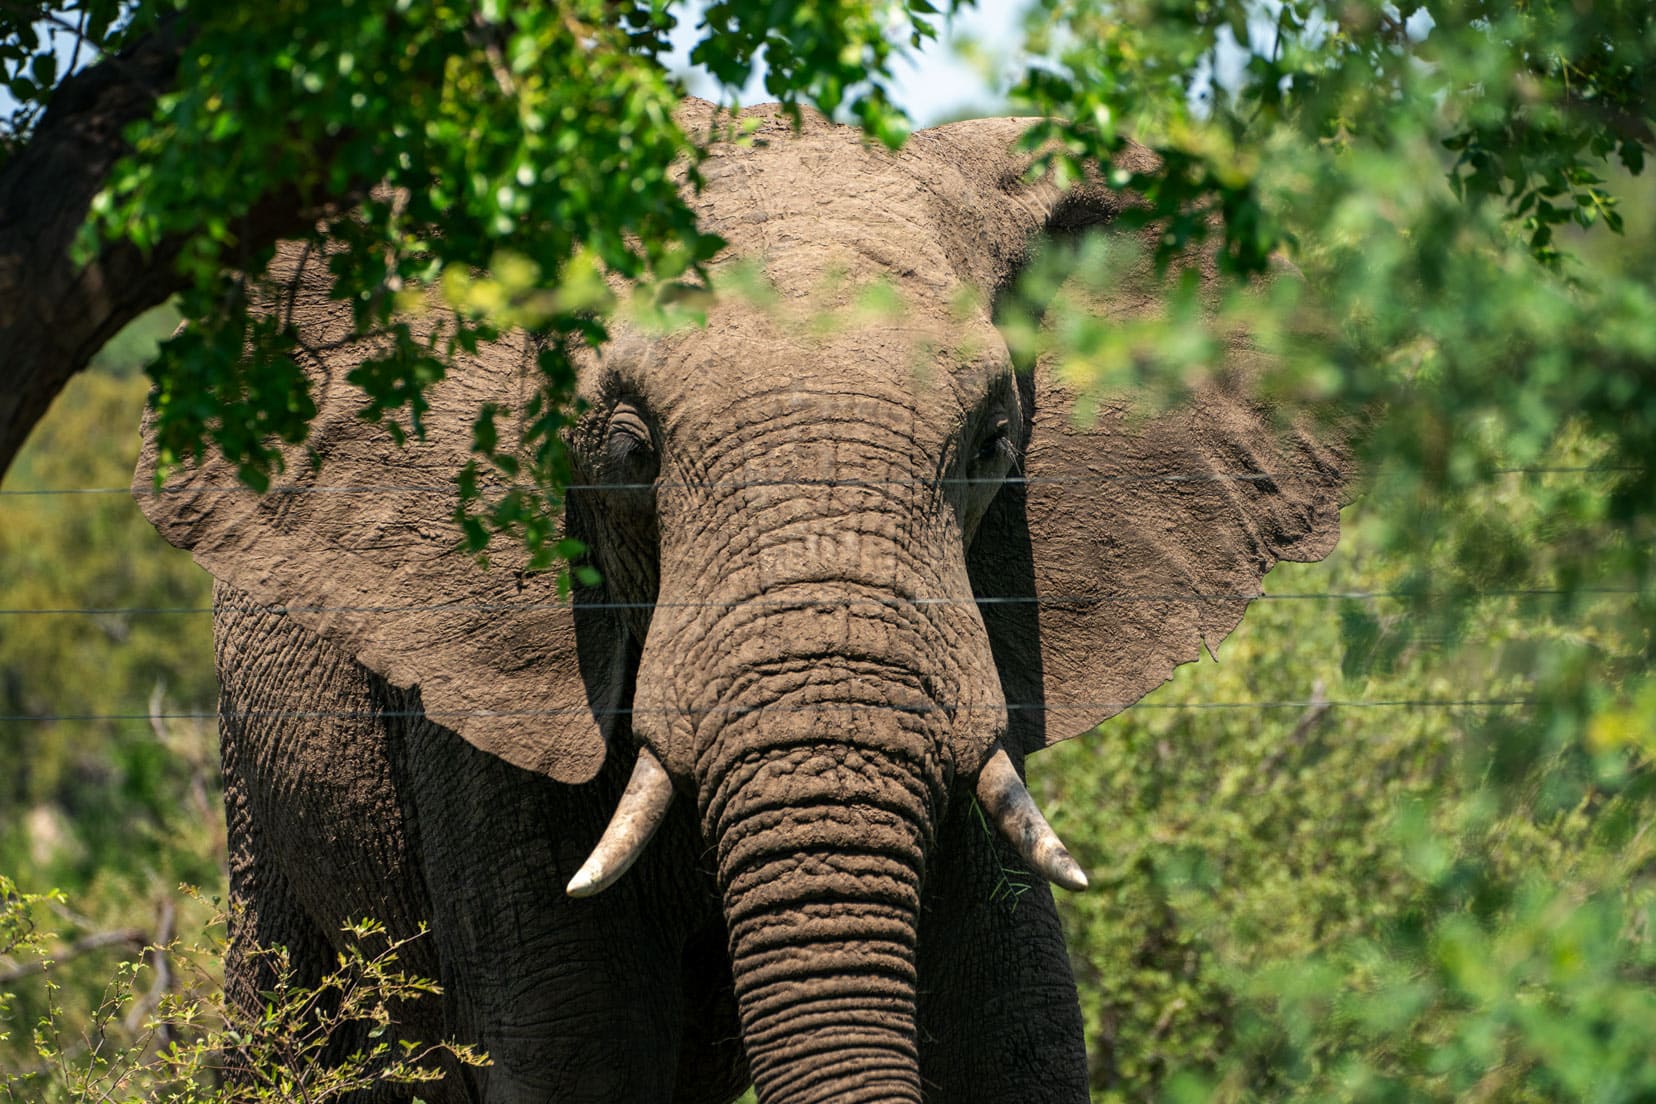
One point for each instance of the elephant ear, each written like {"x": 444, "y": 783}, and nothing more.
{"x": 1132, "y": 541}
{"x": 364, "y": 552}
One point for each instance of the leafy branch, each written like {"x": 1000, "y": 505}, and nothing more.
{"x": 180, "y": 1040}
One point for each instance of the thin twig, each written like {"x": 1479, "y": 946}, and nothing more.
{"x": 487, "y": 36}
{"x": 117, "y": 62}
{"x": 166, "y": 930}
{"x": 80, "y": 40}
{"x": 56, "y": 21}
{"x": 86, "y": 944}
{"x": 1316, "y": 710}
{"x": 293, "y": 286}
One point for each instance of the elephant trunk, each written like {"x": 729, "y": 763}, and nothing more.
{"x": 817, "y": 698}
{"x": 820, "y": 843}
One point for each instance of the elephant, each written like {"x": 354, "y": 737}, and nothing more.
{"x": 743, "y": 809}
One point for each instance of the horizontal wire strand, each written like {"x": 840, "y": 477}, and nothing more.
{"x": 832, "y": 603}
{"x": 1037, "y": 707}
{"x": 719, "y": 484}
{"x": 1050, "y": 480}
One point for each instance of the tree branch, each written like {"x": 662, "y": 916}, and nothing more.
{"x": 166, "y": 929}
{"x": 54, "y": 315}
{"x": 128, "y": 937}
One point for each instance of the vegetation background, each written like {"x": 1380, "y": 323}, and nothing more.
{"x": 1394, "y": 846}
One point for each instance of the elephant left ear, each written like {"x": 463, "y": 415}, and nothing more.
{"x": 365, "y": 552}
{"x": 1129, "y": 543}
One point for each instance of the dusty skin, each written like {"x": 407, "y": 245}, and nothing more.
{"x": 819, "y": 601}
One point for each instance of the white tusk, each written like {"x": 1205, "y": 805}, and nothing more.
{"x": 1007, "y": 801}
{"x": 638, "y": 814}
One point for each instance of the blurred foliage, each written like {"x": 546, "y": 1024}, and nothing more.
{"x": 81, "y": 789}
{"x": 1420, "y": 901}
{"x": 1339, "y": 899}
{"x": 115, "y": 812}
{"x": 1439, "y": 289}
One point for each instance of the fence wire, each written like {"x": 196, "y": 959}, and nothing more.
{"x": 1088, "y": 708}
{"x": 1071, "y": 601}
{"x": 1065, "y": 601}
{"x": 1091, "y": 479}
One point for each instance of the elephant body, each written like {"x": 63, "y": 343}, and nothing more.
{"x": 850, "y": 578}
{"x": 626, "y": 996}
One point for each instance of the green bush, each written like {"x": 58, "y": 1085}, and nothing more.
{"x": 164, "y": 1032}
{"x": 1377, "y": 903}
{"x": 87, "y": 799}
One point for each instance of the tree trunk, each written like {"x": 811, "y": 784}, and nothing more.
{"x": 55, "y": 314}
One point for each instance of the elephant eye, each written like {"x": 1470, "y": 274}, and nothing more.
{"x": 994, "y": 445}
{"x": 629, "y": 449}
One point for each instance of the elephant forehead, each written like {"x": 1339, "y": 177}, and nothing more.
{"x": 828, "y": 208}
{"x": 835, "y": 291}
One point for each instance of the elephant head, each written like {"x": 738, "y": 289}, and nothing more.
{"x": 848, "y": 577}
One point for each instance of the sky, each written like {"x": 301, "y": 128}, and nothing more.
{"x": 933, "y": 86}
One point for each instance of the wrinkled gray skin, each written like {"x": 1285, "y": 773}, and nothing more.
{"x": 823, "y": 909}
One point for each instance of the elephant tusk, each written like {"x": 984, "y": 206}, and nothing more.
{"x": 638, "y": 814}
{"x": 1007, "y": 801}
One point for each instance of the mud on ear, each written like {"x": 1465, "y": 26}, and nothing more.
{"x": 364, "y": 552}
{"x": 1129, "y": 544}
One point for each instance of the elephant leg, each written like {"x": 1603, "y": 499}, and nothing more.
{"x": 263, "y": 914}
{"x": 999, "y": 1017}
{"x": 573, "y": 1000}
{"x": 315, "y": 827}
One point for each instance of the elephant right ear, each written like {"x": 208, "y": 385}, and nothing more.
{"x": 365, "y": 553}
{"x": 1130, "y": 543}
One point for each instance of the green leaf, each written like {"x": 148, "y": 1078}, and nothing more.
{"x": 44, "y": 70}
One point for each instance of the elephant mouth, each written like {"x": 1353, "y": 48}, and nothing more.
{"x": 1002, "y": 794}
